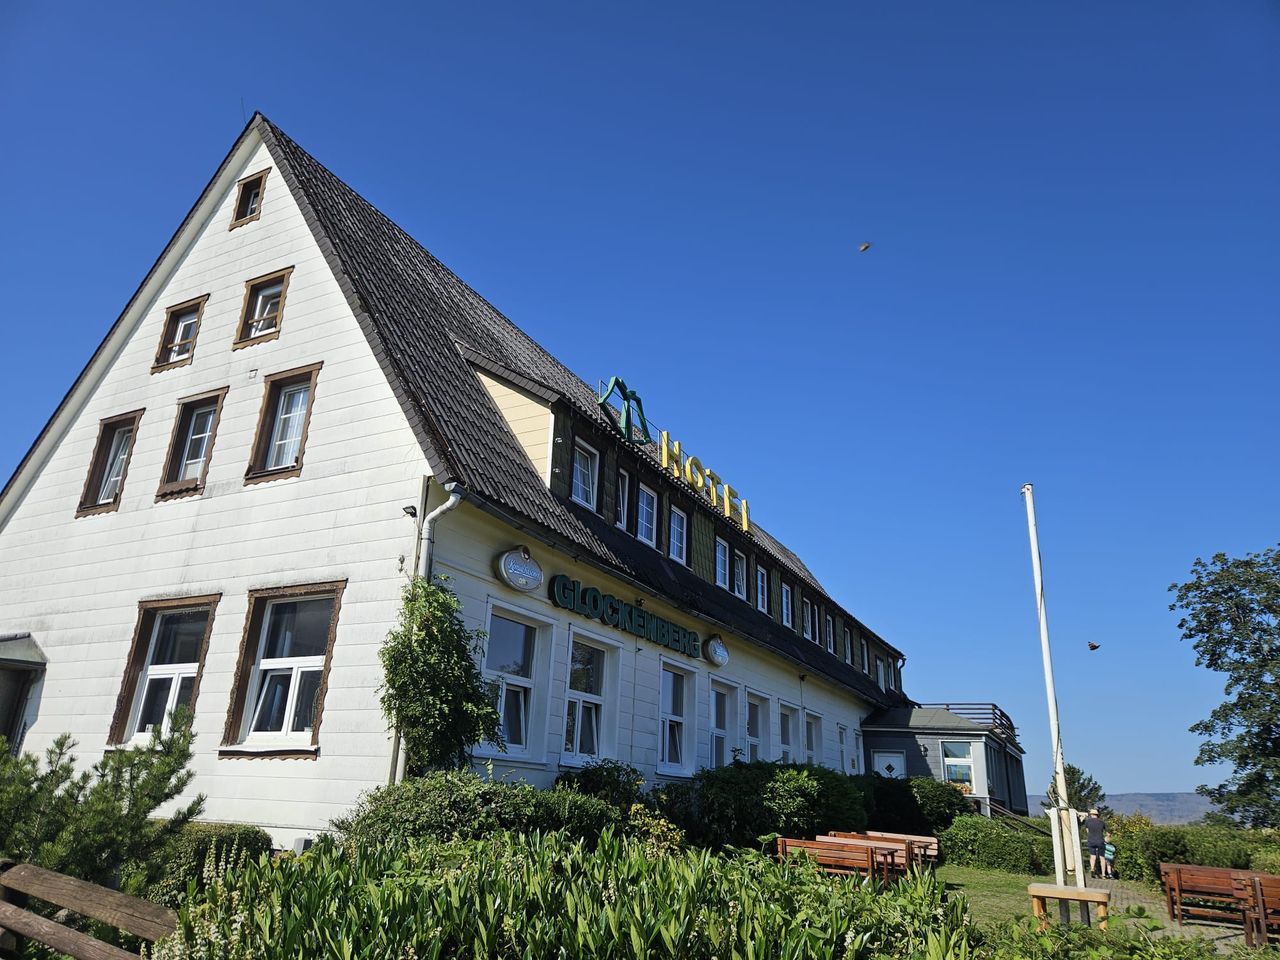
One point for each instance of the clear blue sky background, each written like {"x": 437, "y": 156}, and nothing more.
{"x": 1074, "y": 279}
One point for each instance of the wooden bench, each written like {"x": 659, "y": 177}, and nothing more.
{"x": 1203, "y": 894}
{"x": 926, "y": 848}
{"x": 1041, "y": 892}
{"x": 1260, "y": 897}
{"x": 20, "y": 881}
{"x": 839, "y": 856}
{"x": 900, "y": 852}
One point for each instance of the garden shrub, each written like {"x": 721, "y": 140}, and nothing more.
{"x": 893, "y": 806}
{"x": 89, "y": 824}
{"x": 1265, "y": 860}
{"x": 659, "y": 835}
{"x": 517, "y": 896}
{"x": 1218, "y": 847}
{"x": 575, "y": 813}
{"x": 458, "y": 804}
{"x": 939, "y": 803}
{"x": 165, "y": 876}
{"x": 611, "y": 780}
{"x": 738, "y": 804}
{"x": 973, "y": 841}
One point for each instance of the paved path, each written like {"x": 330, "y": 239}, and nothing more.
{"x": 1126, "y": 894}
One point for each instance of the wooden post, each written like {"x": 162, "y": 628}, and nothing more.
{"x": 1042, "y": 917}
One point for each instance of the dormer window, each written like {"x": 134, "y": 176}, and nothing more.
{"x": 263, "y": 308}
{"x": 249, "y": 199}
{"x": 806, "y": 618}
{"x": 647, "y": 516}
{"x": 676, "y": 539}
{"x": 739, "y": 575}
{"x": 762, "y": 589}
{"x": 786, "y": 604}
{"x": 722, "y": 564}
{"x": 831, "y": 636}
{"x": 586, "y": 470}
{"x": 178, "y": 341}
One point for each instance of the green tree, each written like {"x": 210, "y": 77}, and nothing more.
{"x": 1231, "y": 613}
{"x": 433, "y": 691}
{"x": 1083, "y": 792}
{"x": 90, "y": 823}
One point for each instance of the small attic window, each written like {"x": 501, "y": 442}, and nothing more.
{"x": 249, "y": 199}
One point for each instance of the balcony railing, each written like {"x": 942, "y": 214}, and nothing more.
{"x": 986, "y": 715}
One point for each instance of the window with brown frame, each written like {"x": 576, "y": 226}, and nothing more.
{"x": 283, "y": 424}
{"x": 277, "y": 697}
{"x": 249, "y": 198}
{"x": 110, "y": 464}
{"x": 191, "y": 445}
{"x": 178, "y": 341}
{"x": 263, "y": 309}
{"x": 165, "y": 662}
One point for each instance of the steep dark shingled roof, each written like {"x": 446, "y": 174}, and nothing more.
{"x": 427, "y": 327}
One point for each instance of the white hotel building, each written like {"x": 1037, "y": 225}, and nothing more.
{"x": 215, "y": 515}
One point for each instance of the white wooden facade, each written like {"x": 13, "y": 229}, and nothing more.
{"x": 75, "y": 583}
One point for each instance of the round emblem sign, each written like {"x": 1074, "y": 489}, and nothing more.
{"x": 516, "y": 568}
{"x": 715, "y": 651}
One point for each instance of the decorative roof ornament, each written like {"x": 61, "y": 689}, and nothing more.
{"x": 623, "y": 424}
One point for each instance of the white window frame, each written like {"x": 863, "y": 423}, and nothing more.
{"x": 813, "y": 747}
{"x": 181, "y": 347}
{"x": 958, "y": 762}
{"x": 683, "y": 553}
{"x": 806, "y": 613}
{"x": 593, "y": 458}
{"x": 740, "y": 574}
{"x": 856, "y": 765}
{"x": 757, "y": 747}
{"x": 722, "y": 552}
{"x": 880, "y": 677}
{"x": 293, "y": 442}
{"x": 786, "y": 604}
{"x": 187, "y": 462}
{"x": 177, "y": 672}
{"x": 762, "y": 589}
{"x": 848, "y": 646}
{"x": 264, "y": 669}
{"x": 842, "y": 740}
{"x": 685, "y": 719}
{"x": 624, "y": 500}
{"x": 866, "y": 657}
{"x": 831, "y": 634}
{"x": 727, "y": 735}
{"x": 261, "y": 321}
{"x": 535, "y": 709}
{"x": 788, "y": 731}
{"x": 122, "y": 438}
{"x": 891, "y": 675}
{"x": 652, "y": 539}
{"x": 607, "y": 700}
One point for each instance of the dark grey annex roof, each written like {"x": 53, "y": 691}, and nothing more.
{"x": 923, "y": 719}
{"x": 20, "y": 651}
{"x": 428, "y": 328}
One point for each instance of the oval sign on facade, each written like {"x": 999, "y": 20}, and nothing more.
{"x": 517, "y": 569}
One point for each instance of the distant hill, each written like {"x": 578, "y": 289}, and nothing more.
{"x": 1160, "y": 807}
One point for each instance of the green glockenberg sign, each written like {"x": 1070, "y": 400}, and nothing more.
{"x": 608, "y": 609}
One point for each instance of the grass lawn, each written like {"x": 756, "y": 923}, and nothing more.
{"x": 993, "y": 896}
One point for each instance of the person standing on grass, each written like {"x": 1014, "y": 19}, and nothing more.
{"x": 1095, "y": 836}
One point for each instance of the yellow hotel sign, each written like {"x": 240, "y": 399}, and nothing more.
{"x": 703, "y": 480}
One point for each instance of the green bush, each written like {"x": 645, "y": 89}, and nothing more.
{"x": 659, "y": 835}
{"x": 575, "y": 813}
{"x": 1265, "y": 860}
{"x": 612, "y": 781}
{"x": 1218, "y": 847}
{"x": 738, "y": 804}
{"x": 91, "y": 823}
{"x": 514, "y": 896}
{"x": 892, "y": 805}
{"x": 182, "y": 861}
{"x": 973, "y": 841}
{"x": 939, "y": 803}
{"x": 457, "y": 804}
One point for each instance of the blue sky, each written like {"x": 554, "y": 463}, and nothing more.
{"x": 1073, "y": 280}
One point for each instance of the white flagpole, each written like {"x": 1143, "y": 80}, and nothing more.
{"x": 1067, "y": 827}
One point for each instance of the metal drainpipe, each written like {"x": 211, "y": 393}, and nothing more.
{"x": 427, "y": 542}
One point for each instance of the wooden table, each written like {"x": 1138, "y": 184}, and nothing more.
{"x": 1040, "y": 892}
